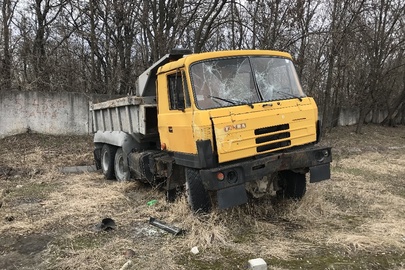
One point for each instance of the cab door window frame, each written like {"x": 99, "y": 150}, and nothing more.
{"x": 179, "y": 97}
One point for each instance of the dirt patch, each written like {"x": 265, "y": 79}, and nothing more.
{"x": 31, "y": 244}
{"x": 47, "y": 219}
{"x": 23, "y": 251}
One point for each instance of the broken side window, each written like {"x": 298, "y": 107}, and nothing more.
{"x": 176, "y": 94}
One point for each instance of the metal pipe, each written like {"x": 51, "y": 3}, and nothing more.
{"x": 160, "y": 224}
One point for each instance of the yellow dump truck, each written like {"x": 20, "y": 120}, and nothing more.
{"x": 221, "y": 124}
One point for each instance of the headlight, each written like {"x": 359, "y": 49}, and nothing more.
{"x": 232, "y": 177}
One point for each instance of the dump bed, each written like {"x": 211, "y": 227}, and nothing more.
{"x": 131, "y": 114}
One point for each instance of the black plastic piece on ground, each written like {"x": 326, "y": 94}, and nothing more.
{"x": 107, "y": 224}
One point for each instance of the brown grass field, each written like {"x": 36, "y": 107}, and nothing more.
{"x": 356, "y": 220}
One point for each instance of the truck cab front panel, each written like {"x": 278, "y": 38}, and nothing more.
{"x": 263, "y": 130}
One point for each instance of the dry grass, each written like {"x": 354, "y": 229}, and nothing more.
{"x": 357, "y": 219}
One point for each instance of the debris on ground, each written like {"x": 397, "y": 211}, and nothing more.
{"x": 160, "y": 224}
{"x": 257, "y": 264}
{"x": 194, "y": 250}
{"x": 107, "y": 224}
{"x": 126, "y": 265}
{"x": 78, "y": 169}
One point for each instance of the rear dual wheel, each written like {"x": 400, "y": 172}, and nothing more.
{"x": 107, "y": 161}
{"x": 121, "y": 166}
{"x": 113, "y": 164}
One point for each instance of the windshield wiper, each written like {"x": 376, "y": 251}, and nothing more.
{"x": 233, "y": 102}
{"x": 288, "y": 95}
{"x": 223, "y": 99}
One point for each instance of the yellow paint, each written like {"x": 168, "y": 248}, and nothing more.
{"x": 241, "y": 143}
{"x": 175, "y": 126}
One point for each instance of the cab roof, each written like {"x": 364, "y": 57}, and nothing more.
{"x": 196, "y": 57}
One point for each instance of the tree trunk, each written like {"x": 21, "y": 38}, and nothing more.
{"x": 327, "y": 107}
{"x": 6, "y": 61}
{"x": 393, "y": 111}
{"x": 362, "y": 119}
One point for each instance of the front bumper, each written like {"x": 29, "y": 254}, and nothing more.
{"x": 314, "y": 159}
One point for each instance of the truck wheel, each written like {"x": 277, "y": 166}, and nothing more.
{"x": 293, "y": 185}
{"x": 198, "y": 197}
{"x": 107, "y": 161}
{"x": 121, "y": 169}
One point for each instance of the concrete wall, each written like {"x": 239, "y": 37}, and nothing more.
{"x": 350, "y": 116}
{"x": 50, "y": 113}
{"x": 68, "y": 113}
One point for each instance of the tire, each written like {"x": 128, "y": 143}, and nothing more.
{"x": 198, "y": 197}
{"x": 97, "y": 158}
{"x": 293, "y": 185}
{"x": 107, "y": 161}
{"x": 120, "y": 168}
{"x": 171, "y": 195}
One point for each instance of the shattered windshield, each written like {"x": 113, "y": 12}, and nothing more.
{"x": 243, "y": 80}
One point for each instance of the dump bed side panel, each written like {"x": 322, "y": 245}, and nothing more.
{"x": 129, "y": 114}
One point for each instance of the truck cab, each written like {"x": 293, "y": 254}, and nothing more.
{"x": 232, "y": 122}
{"x": 244, "y": 103}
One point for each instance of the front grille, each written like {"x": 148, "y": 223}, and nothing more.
{"x": 271, "y": 137}
{"x": 271, "y": 129}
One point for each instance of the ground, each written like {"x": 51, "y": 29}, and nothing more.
{"x": 48, "y": 219}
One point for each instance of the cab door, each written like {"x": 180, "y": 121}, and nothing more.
{"x": 175, "y": 113}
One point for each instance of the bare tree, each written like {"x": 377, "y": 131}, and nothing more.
{"x": 46, "y": 12}
{"x": 381, "y": 39}
{"x": 303, "y": 15}
{"x": 123, "y": 36}
{"x": 161, "y": 24}
{"x": 205, "y": 24}
{"x": 342, "y": 17}
{"x": 7, "y": 12}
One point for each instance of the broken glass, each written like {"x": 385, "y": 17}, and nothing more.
{"x": 243, "y": 80}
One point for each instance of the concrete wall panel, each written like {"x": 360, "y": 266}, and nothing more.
{"x": 49, "y": 113}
